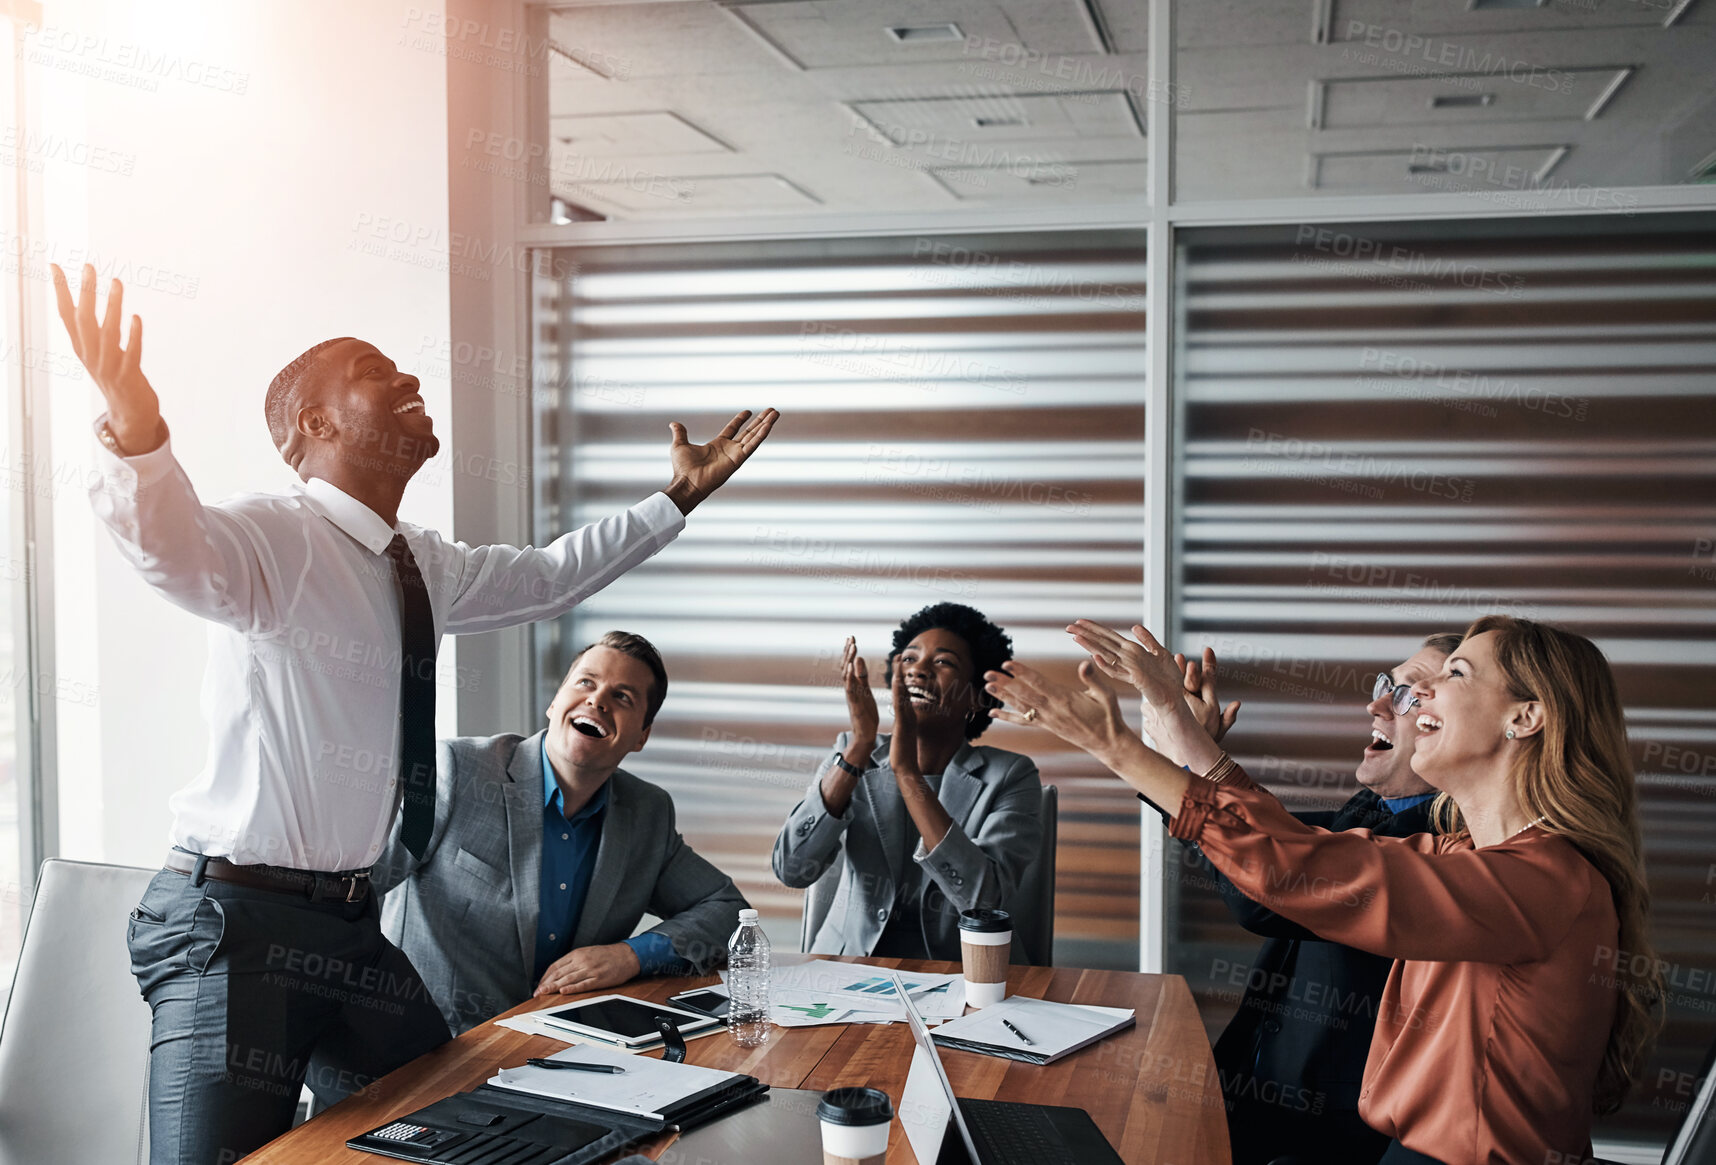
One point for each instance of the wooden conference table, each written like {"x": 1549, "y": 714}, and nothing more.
{"x": 1152, "y": 1089}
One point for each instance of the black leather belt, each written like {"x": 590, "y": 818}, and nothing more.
{"x": 316, "y": 885}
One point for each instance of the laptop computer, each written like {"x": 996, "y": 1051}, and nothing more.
{"x": 944, "y": 1129}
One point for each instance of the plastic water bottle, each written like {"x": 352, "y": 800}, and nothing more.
{"x": 748, "y": 982}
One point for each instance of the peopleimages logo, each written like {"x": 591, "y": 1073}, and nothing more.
{"x": 962, "y": 154}
{"x": 1462, "y": 382}
{"x": 1445, "y": 54}
{"x": 137, "y": 66}
{"x": 1443, "y": 268}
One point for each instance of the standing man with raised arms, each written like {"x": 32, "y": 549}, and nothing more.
{"x": 258, "y": 946}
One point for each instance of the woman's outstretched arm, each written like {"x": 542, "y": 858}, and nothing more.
{"x": 1390, "y": 896}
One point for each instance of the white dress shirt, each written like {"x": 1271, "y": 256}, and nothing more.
{"x": 302, "y": 689}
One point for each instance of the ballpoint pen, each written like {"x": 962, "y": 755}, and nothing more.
{"x": 1009, "y": 1026}
{"x": 538, "y": 1062}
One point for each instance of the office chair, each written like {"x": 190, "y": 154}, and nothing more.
{"x": 1694, "y": 1139}
{"x": 1692, "y": 1143}
{"x": 74, "y": 1044}
{"x": 1034, "y": 902}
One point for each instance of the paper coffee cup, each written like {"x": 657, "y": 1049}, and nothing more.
{"x": 854, "y": 1126}
{"x": 985, "y": 942}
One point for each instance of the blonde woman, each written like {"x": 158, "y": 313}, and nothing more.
{"x": 1508, "y": 1020}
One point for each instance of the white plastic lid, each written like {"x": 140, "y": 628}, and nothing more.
{"x": 747, "y": 916}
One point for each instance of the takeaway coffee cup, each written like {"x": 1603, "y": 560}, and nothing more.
{"x": 985, "y": 940}
{"x": 854, "y": 1126}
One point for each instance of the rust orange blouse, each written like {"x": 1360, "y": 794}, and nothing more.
{"x": 1493, "y": 1023}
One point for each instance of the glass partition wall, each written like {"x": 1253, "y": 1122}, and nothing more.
{"x": 963, "y": 422}
{"x": 1389, "y": 384}
{"x": 1389, "y": 430}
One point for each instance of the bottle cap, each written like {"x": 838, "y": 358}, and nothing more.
{"x": 855, "y": 1106}
{"x": 747, "y": 916}
{"x": 986, "y": 921}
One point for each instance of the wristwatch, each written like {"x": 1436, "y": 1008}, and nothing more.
{"x": 104, "y": 434}
{"x": 848, "y": 765}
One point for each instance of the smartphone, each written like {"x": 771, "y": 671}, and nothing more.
{"x": 620, "y": 1019}
{"x": 704, "y": 1002}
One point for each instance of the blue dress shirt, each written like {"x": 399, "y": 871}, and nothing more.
{"x": 569, "y": 848}
{"x": 1401, "y": 804}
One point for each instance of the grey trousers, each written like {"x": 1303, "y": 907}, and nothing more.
{"x": 256, "y": 993}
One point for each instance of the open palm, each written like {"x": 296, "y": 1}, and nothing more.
{"x": 705, "y": 467}
{"x": 134, "y": 411}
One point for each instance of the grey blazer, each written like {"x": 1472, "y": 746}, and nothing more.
{"x": 465, "y": 913}
{"x": 993, "y": 797}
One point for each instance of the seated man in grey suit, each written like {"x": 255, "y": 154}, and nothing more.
{"x": 546, "y": 854}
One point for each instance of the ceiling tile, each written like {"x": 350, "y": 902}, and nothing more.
{"x": 1243, "y": 22}
{"x": 1426, "y": 170}
{"x": 698, "y": 195}
{"x": 1099, "y": 181}
{"x": 821, "y": 34}
{"x": 600, "y": 135}
{"x": 1465, "y": 98}
{"x": 1357, "y": 20}
{"x": 942, "y": 122}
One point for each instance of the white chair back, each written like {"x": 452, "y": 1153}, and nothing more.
{"x": 74, "y": 1045}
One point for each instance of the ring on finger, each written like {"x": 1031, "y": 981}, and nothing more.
{"x": 1030, "y": 715}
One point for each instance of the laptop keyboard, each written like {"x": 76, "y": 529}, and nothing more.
{"x": 1015, "y": 1134}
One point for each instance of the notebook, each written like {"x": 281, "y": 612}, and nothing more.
{"x": 653, "y": 1090}
{"x": 1046, "y": 1031}
{"x": 531, "y": 1116}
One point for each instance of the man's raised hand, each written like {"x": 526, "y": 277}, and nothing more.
{"x": 133, "y": 409}
{"x": 700, "y": 470}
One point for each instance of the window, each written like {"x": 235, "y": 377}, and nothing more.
{"x": 965, "y": 423}
{"x": 1391, "y": 429}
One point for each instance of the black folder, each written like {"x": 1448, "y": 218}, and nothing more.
{"x": 489, "y": 1123}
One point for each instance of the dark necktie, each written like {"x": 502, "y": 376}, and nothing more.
{"x": 416, "y": 699}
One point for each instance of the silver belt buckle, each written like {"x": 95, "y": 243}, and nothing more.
{"x": 352, "y": 890}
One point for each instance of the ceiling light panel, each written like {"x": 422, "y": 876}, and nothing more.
{"x": 922, "y": 123}
{"x": 635, "y": 42}
{"x": 1466, "y": 99}
{"x": 698, "y": 195}
{"x": 826, "y": 34}
{"x": 1436, "y": 170}
{"x": 1100, "y": 181}
{"x": 925, "y": 33}
{"x": 605, "y": 135}
{"x": 1354, "y": 20}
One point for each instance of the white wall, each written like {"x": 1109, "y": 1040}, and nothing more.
{"x": 263, "y": 140}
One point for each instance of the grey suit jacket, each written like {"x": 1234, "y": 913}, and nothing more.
{"x": 993, "y": 797}
{"x": 466, "y": 912}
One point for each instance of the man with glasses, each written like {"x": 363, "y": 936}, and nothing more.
{"x": 1292, "y": 1058}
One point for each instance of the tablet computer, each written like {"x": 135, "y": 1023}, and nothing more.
{"x": 704, "y": 1002}
{"x": 620, "y": 1019}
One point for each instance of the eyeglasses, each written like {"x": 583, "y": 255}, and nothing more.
{"x": 1400, "y": 695}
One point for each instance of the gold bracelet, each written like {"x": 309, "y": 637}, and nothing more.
{"x": 1222, "y": 769}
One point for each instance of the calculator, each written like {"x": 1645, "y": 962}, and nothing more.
{"x": 406, "y": 1133}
